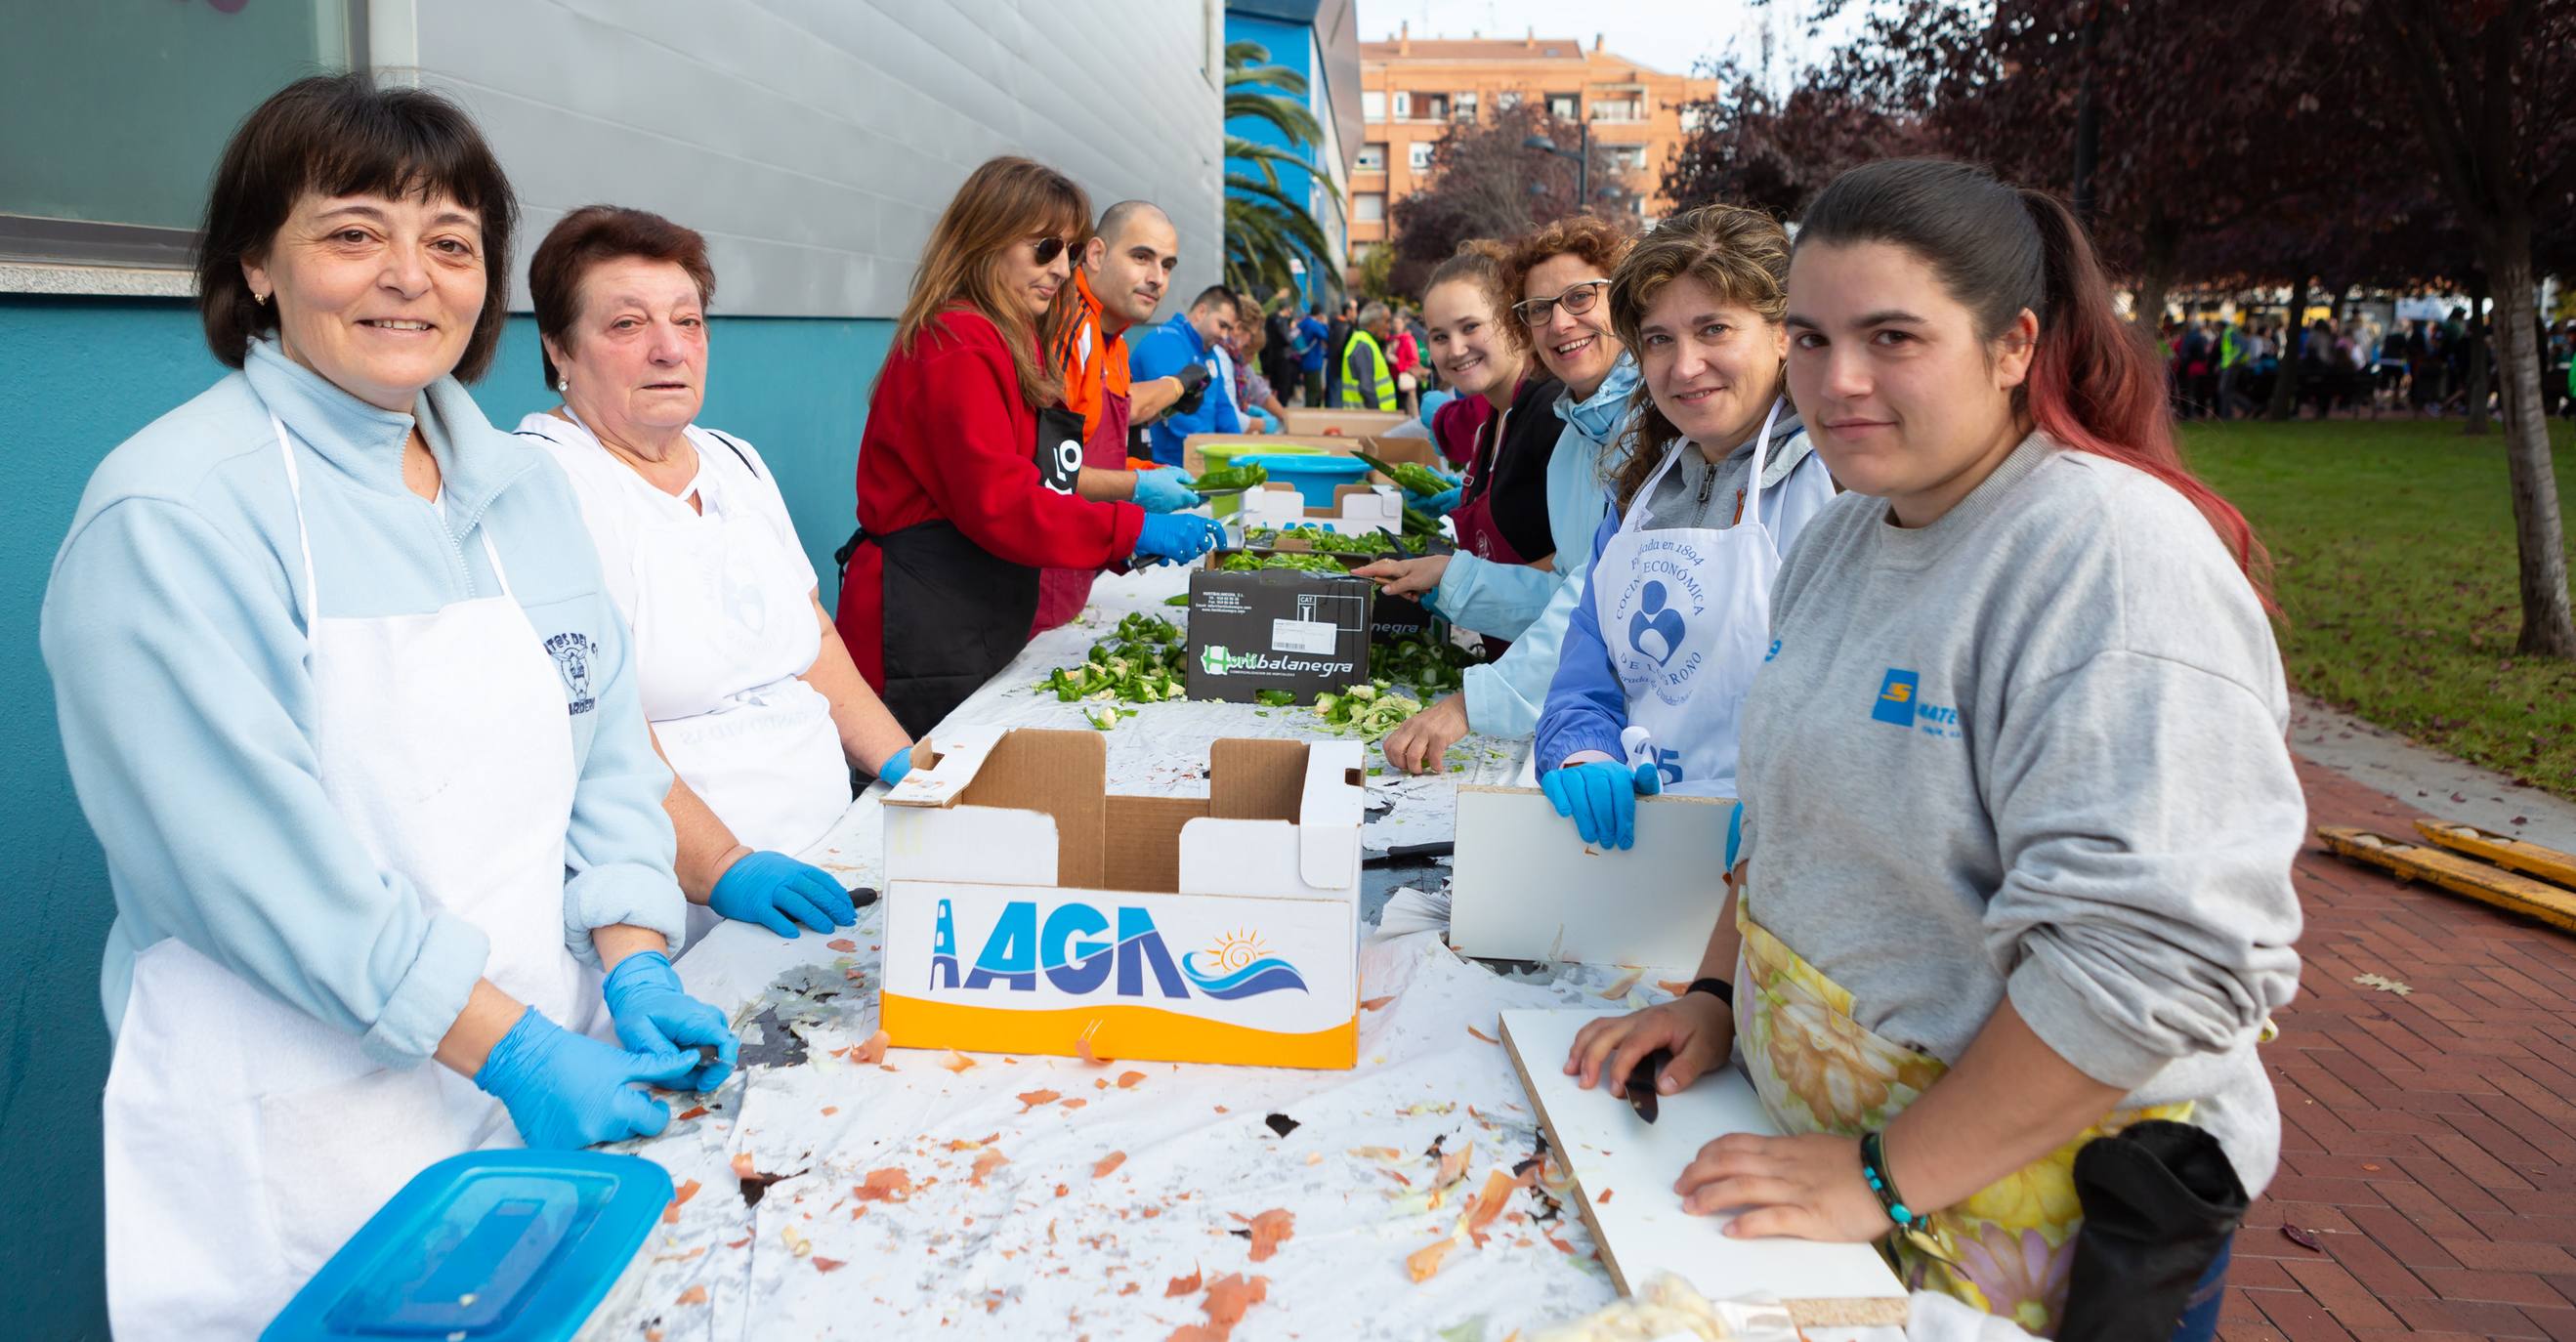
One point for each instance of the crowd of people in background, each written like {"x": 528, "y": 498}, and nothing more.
{"x": 2229, "y": 367}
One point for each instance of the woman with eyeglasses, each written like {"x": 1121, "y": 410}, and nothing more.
{"x": 1561, "y": 273}
{"x": 968, "y": 465}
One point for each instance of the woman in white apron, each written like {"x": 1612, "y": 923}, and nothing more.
{"x": 752, "y": 698}
{"x": 1716, "y": 485}
{"x": 351, "y": 717}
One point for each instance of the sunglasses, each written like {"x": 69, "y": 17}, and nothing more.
{"x": 1051, "y": 248}
{"x": 1576, "y": 298}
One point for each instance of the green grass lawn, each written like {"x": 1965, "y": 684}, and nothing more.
{"x": 2394, "y": 553}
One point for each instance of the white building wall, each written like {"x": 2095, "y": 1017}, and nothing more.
{"x": 814, "y": 142}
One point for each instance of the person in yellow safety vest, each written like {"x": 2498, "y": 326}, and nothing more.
{"x": 1367, "y": 383}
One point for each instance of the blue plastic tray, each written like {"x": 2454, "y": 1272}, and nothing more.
{"x": 490, "y": 1246}
{"x": 1314, "y": 476}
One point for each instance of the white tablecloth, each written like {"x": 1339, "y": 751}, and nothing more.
{"x": 1050, "y": 1198}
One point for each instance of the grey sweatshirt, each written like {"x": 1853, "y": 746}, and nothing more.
{"x": 2036, "y": 748}
{"x": 1698, "y": 493}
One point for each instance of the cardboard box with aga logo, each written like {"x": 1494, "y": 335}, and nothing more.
{"x": 1030, "y": 910}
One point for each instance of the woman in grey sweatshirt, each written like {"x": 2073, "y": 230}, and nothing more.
{"x": 2018, "y": 808}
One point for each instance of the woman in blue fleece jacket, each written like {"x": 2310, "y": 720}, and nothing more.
{"x": 353, "y": 717}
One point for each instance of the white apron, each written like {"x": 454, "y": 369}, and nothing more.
{"x": 246, "y": 1141}
{"x": 1686, "y": 614}
{"x": 720, "y": 602}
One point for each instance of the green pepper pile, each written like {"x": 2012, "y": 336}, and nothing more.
{"x": 1246, "y": 561}
{"x": 1142, "y": 663}
{"x": 1435, "y": 666}
{"x": 1416, "y": 478}
{"x": 1367, "y": 711}
{"x": 1374, "y": 544}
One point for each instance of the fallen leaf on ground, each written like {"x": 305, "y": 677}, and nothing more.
{"x": 957, "y": 1062}
{"x": 2300, "y": 1237}
{"x": 1423, "y": 1262}
{"x": 842, "y": 944}
{"x": 2384, "y": 984}
{"x": 671, "y": 1214}
{"x": 1128, "y": 1080}
{"x": 1271, "y": 1229}
{"x": 1031, "y": 1099}
{"x": 1375, "y": 1003}
{"x": 822, "y": 1264}
{"x": 1482, "y": 1035}
{"x": 1626, "y": 981}
{"x": 985, "y": 1164}
{"x": 874, "y": 1050}
{"x": 890, "y": 1184}
{"x": 695, "y": 1295}
{"x": 1107, "y": 1164}
{"x": 1188, "y": 1285}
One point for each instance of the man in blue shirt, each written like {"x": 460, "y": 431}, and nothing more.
{"x": 1190, "y": 338}
{"x": 1310, "y": 354}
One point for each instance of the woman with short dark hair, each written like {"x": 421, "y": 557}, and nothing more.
{"x": 746, "y": 687}
{"x": 355, "y": 721}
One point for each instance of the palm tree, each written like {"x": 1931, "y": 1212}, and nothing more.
{"x": 1265, "y": 226}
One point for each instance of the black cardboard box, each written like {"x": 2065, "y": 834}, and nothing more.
{"x": 1390, "y": 617}
{"x": 1276, "y": 629}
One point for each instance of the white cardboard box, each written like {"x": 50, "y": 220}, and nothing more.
{"x": 1356, "y": 508}
{"x": 1030, "y": 910}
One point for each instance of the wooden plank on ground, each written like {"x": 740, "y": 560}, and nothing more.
{"x": 2459, "y": 875}
{"x": 1624, "y": 1168}
{"x": 2514, "y": 854}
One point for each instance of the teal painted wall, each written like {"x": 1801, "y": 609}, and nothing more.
{"x": 77, "y": 376}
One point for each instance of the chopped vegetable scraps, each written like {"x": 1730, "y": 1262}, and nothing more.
{"x": 891, "y": 1184}
{"x": 1375, "y": 1003}
{"x": 1626, "y": 981}
{"x": 874, "y": 1049}
{"x": 1482, "y": 1035}
{"x": 1031, "y": 1099}
{"x": 1270, "y": 1230}
{"x": 1142, "y": 663}
{"x": 671, "y": 1214}
{"x": 822, "y": 1264}
{"x": 1425, "y": 1261}
{"x": 1128, "y": 1080}
{"x": 1181, "y": 1286}
{"x": 796, "y": 1243}
{"x": 985, "y": 1164}
{"x": 695, "y": 1295}
{"x": 1368, "y": 711}
{"x": 1108, "y": 1163}
{"x": 841, "y": 944}
{"x": 957, "y": 1062}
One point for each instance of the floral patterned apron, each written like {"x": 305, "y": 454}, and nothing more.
{"x": 2009, "y": 1248}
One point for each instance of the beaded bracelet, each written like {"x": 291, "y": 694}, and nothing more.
{"x": 1873, "y": 1167}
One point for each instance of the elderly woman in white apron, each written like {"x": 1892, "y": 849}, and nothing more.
{"x": 355, "y": 722}
{"x": 751, "y": 696}
{"x": 1717, "y": 483}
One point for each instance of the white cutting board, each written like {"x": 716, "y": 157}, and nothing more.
{"x": 1525, "y": 886}
{"x": 1642, "y": 1229}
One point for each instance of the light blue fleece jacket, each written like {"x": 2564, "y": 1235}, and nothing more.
{"x": 172, "y": 630}
{"x": 1587, "y": 707}
{"x": 1531, "y": 606}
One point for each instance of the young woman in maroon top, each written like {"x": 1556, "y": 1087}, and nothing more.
{"x": 968, "y": 465}
{"x": 1502, "y": 507}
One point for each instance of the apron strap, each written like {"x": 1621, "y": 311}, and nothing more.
{"x": 1638, "y": 510}
{"x": 1761, "y": 449}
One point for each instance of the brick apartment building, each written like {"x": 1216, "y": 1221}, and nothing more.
{"x": 1412, "y": 90}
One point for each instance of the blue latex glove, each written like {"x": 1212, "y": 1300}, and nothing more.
{"x": 772, "y": 888}
{"x": 896, "y": 766}
{"x": 1438, "y": 505}
{"x": 1179, "y": 537}
{"x": 1165, "y": 490}
{"x": 565, "y": 1090}
{"x": 654, "y": 1014}
{"x": 1601, "y": 798}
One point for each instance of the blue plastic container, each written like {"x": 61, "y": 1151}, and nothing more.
{"x": 1314, "y": 476}
{"x": 490, "y": 1246}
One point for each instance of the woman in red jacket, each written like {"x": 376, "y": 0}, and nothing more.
{"x": 968, "y": 464}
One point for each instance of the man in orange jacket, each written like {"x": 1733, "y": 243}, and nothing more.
{"x": 1117, "y": 283}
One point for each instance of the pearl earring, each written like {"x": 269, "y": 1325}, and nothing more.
{"x": 562, "y": 383}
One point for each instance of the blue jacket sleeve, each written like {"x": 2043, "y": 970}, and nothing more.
{"x": 180, "y": 681}
{"x": 1505, "y": 699}
{"x": 1163, "y": 354}
{"x": 1586, "y": 707}
{"x": 619, "y": 847}
{"x": 1490, "y": 598}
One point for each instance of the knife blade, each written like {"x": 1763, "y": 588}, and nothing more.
{"x": 1641, "y": 1083}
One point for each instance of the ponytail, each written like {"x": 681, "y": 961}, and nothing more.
{"x": 2093, "y": 388}
{"x": 2001, "y": 250}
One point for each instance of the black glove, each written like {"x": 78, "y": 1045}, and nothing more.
{"x": 1193, "y": 380}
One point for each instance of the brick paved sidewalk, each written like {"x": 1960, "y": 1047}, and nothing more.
{"x": 2428, "y": 1140}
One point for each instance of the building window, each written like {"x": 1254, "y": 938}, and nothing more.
{"x": 1507, "y": 100}
{"x": 1372, "y": 105}
{"x": 1403, "y": 106}
{"x": 1417, "y": 156}
{"x": 1372, "y": 157}
{"x": 1462, "y": 107}
{"x": 1618, "y": 109}
{"x": 120, "y": 111}
{"x": 1431, "y": 106}
{"x": 1368, "y": 207}
{"x": 1564, "y": 106}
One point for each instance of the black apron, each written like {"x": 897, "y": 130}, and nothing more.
{"x": 955, "y": 613}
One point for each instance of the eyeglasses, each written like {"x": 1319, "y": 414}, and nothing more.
{"x": 1577, "y": 299}
{"x": 1050, "y": 248}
